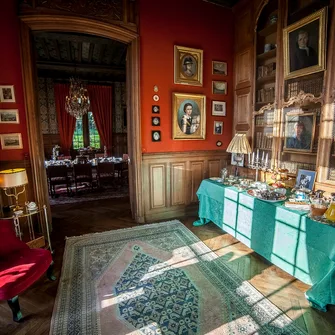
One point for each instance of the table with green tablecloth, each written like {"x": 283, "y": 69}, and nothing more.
{"x": 287, "y": 238}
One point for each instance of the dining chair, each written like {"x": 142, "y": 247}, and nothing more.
{"x": 105, "y": 173}
{"x": 82, "y": 173}
{"x": 57, "y": 175}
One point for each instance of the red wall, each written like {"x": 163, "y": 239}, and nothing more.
{"x": 190, "y": 23}
{"x": 11, "y": 74}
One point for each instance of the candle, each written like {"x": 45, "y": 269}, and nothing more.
{"x": 249, "y": 158}
{"x": 257, "y": 156}
{"x": 253, "y": 158}
{"x": 263, "y": 156}
{"x": 266, "y": 159}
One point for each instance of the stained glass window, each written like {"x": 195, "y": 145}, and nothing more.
{"x": 86, "y": 125}
{"x": 78, "y": 137}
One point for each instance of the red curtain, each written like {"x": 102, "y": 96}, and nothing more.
{"x": 66, "y": 122}
{"x": 101, "y": 106}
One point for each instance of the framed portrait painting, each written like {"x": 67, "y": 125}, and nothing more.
{"x": 305, "y": 179}
{"x": 9, "y": 116}
{"x": 305, "y": 45}
{"x": 188, "y": 64}
{"x": 189, "y": 116}
{"x": 299, "y": 132}
{"x": 11, "y": 141}
{"x": 7, "y": 93}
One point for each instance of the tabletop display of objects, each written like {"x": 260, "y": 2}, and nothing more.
{"x": 319, "y": 207}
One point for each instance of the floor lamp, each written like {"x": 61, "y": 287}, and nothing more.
{"x": 240, "y": 146}
{"x": 13, "y": 178}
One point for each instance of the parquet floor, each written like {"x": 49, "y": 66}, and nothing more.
{"x": 70, "y": 220}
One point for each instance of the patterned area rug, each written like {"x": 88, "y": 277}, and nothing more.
{"x": 85, "y": 194}
{"x": 157, "y": 279}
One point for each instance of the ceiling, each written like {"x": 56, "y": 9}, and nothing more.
{"x": 224, "y": 3}
{"x": 62, "y": 55}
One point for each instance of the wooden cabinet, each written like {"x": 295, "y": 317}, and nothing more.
{"x": 266, "y": 102}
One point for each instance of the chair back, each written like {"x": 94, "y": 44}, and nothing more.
{"x": 82, "y": 170}
{"x": 60, "y": 158}
{"x": 125, "y": 157}
{"x": 55, "y": 171}
{"x": 8, "y": 241}
{"x": 82, "y": 159}
{"x": 99, "y": 155}
{"x": 105, "y": 168}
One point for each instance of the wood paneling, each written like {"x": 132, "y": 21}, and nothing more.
{"x": 178, "y": 173}
{"x": 119, "y": 144}
{"x": 157, "y": 186}
{"x": 243, "y": 68}
{"x": 172, "y": 180}
{"x": 49, "y": 141}
{"x": 243, "y": 109}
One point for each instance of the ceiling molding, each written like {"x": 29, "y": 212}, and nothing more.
{"x": 223, "y": 3}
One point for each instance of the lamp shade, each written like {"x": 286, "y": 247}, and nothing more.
{"x": 13, "y": 178}
{"x": 239, "y": 144}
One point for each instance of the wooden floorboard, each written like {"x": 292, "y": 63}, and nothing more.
{"x": 283, "y": 290}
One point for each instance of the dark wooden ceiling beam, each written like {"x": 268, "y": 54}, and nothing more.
{"x": 102, "y": 52}
{"x": 44, "y": 65}
{"x": 45, "y": 48}
{"x": 57, "y": 49}
{"x": 69, "y": 52}
{"x": 80, "y": 51}
{"x": 90, "y": 55}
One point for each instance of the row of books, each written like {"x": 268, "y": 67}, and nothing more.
{"x": 266, "y": 95}
{"x": 266, "y": 70}
{"x": 264, "y": 141}
{"x": 313, "y": 86}
{"x": 293, "y": 167}
{"x": 265, "y": 119}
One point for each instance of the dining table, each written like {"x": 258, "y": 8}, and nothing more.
{"x": 288, "y": 238}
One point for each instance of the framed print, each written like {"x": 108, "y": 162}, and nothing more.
{"x": 189, "y": 116}
{"x": 155, "y": 121}
{"x": 188, "y": 66}
{"x": 11, "y": 141}
{"x": 237, "y": 161}
{"x": 7, "y": 93}
{"x": 304, "y": 45}
{"x": 218, "y": 128}
{"x": 305, "y": 179}
{"x": 219, "y": 108}
{"x": 219, "y": 68}
{"x": 9, "y": 116}
{"x": 219, "y": 87}
{"x": 299, "y": 132}
{"x": 156, "y": 136}
{"x": 155, "y": 109}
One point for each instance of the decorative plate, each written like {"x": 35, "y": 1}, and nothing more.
{"x": 156, "y": 121}
{"x": 218, "y": 143}
{"x": 155, "y": 97}
{"x": 253, "y": 194}
{"x": 156, "y": 136}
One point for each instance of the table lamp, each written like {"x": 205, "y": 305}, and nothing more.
{"x": 239, "y": 145}
{"x": 13, "y": 178}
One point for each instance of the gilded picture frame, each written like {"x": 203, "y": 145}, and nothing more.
{"x": 305, "y": 45}
{"x": 188, "y": 66}
{"x": 189, "y": 116}
{"x": 299, "y": 132}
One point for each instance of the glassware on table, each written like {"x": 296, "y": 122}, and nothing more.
{"x": 318, "y": 205}
{"x": 224, "y": 173}
{"x": 330, "y": 212}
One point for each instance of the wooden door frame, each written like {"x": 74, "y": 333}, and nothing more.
{"x": 61, "y": 23}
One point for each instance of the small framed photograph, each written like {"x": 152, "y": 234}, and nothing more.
{"x": 156, "y": 121}
{"x": 219, "y": 108}
{"x": 11, "y": 141}
{"x": 9, "y": 116}
{"x": 218, "y": 128}
{"x": 7, "y": 93}
{"x": 219, "y": 68}
{"x": 305, "y": 179}
{"x": 219, "y": 87}
{"x": 188, "y": 66}
{"x": 156, "y": 136}
{"x": 237, "y": 159}
{"x": 155, "y": 109}
{"x": 299, "y": 132}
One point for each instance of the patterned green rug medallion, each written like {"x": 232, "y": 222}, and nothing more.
{"x": 156, "y": 279}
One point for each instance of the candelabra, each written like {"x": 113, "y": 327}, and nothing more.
{"x": 258, "y": 164}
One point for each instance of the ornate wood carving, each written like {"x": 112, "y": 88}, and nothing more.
{"x": 259, "y": 11}
{"x": 265, "y": 108}
{"x": 302, "y": 99}
{"x": 111, "y": 11}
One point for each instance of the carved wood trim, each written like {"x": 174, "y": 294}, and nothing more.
{"x": 259, "y": 11}
{"x": 302, "y": 99}
{"x": 265, "y": 108}
{"x": 91, "y": 27}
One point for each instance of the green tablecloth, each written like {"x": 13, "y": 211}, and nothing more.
{"x": 287, "y": 238}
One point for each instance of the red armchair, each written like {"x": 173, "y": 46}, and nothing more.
{"x": 20, "y": 266}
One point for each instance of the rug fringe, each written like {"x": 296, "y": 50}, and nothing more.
{"x": 67, "y": 238}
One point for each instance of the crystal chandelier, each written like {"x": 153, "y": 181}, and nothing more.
{"x": 78, "y": 102}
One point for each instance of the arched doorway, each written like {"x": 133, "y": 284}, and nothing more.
{"x": 88, "y": 26}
